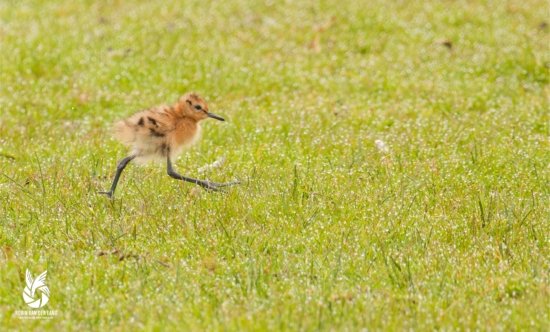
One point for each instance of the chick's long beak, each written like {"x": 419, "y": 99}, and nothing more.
{"x": 215, "y": 116}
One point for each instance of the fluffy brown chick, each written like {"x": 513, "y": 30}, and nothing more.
{"x": 161, "y": 133}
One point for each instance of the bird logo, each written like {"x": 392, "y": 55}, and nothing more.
{"x": 34, "y": 285}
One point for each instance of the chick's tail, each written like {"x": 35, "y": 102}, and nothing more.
{"x": 125, "y": 132}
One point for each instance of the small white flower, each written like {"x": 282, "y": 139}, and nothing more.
{"x": 381, "y": 146}
{"x": 216, "y": 164}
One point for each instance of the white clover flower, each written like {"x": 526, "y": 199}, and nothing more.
{"x": 216, "y": 164}
{"x": 381, "y": 146}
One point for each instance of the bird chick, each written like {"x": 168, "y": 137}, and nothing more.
{"x": 161, "y": 133}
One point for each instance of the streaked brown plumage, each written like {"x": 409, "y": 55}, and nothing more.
{"x": 161, "y": 133}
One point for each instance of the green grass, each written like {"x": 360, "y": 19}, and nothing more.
{"x": 447, "y": 230}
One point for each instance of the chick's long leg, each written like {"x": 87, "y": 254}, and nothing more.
{"x": 208, "y": 185}
{"x": 119, "y": 168}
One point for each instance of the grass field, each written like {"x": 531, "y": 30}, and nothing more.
{"x": 445, "y": 226}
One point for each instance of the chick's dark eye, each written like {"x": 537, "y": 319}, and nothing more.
{"x": 198, "y": 107}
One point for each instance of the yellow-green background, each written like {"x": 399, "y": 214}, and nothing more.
{"x": 447, "y": 230}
